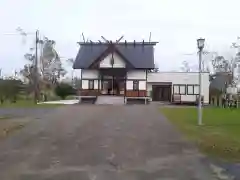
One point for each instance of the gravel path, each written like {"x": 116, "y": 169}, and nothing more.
{"x": 101, "y": 142}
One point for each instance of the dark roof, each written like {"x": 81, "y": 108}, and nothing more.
{"x": 220, "y": 80}
{"x": 139, "y": 55}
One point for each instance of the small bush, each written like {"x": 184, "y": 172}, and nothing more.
{"x": 9, "y": 89}
{"x": 63, "y": 90}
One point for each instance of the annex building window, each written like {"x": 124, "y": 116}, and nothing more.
{"x": 182, "y": 89}
{"x": 192, "y": 89}
{"x": 196, "y": 89}
{"x": 175, "y": 89}
{"x": 179, "y": 89}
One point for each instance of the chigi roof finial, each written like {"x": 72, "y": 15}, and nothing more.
{"x": 143, "y": 45}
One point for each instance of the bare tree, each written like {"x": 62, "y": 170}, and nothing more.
{"x": 185, "y": 67}
{"x": 220, "y": 64}
{"x": 49, "y": 65}
{"x": 155, "y": 69}
{"x": 70, "y": 61}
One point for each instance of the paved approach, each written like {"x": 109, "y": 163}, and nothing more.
{"x": 101, "y": 142}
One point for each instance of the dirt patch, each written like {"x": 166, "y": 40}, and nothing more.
{"x": 9, "y": 125}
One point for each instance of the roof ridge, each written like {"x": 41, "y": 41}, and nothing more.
{"x": 119, "y": 43}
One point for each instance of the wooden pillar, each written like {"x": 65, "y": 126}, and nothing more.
{"x": 146, "y": 93}
{"x": 98, "y": 83}
{"x": 113, "y": 85}
{"x": 80, "y": 84}
{"x": 125, "y": 90}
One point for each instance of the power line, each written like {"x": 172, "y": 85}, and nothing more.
{"x": 18, "y": 34}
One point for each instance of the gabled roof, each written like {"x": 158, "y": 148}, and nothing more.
{"x": 139, "y": 55}
{"x": 110, "y": 50}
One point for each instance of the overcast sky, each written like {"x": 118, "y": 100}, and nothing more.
{"x": 176, "y": 24}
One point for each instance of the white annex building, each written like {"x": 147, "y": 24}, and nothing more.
{"x": 124, "y": 69}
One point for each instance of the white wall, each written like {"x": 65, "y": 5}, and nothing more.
{"x": 118, "y": 62}
{"x": 142, "y": 85}
{"x": 95, "y": 84}
{"x": 181, "y": 78}
{"x": 129, "y": 85}
{"x": 136, "y": 75}
{"x": 85, "y": 84}
{"x": 89, "y": 74}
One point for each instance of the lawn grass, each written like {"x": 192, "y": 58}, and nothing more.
{"x": 5, "y": 117}
{"x": 27, "y": 104}
{"x": 219, "y": 136}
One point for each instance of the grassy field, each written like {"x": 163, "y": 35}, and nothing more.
{"x": 218, "y": 137}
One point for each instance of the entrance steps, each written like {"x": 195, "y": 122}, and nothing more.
{"x": 113, "y": 100}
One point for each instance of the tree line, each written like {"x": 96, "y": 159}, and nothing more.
{"x": 217, "y": 64}
{"x": 49, "y": 71}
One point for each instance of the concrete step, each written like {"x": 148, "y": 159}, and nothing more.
{"x": 114, "y": 100}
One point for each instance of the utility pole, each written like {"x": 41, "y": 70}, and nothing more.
{"x": 36, "y": 69}
{"x": 72, "y": 78}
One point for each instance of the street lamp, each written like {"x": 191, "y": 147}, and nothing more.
{"x": 200, "y": 44}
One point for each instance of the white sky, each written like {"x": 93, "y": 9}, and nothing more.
{"x": 175, "y": 24}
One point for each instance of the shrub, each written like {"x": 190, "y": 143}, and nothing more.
{"x": 63, "y": 90}
{"x": 9, "y": 89}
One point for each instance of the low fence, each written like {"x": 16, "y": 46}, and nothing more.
{"x": 220, "y": 101}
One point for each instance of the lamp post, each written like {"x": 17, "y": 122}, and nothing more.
{"x": 200, "y": 44}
